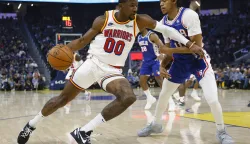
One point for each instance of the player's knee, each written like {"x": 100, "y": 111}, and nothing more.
{"x": 129, "y": 100}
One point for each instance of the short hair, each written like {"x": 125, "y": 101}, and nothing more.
{"x": 122, "y": 1}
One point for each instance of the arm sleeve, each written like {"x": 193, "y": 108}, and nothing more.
{"x": 166, "y": 39}
{"x": 191, "y": 21}
{"x": 171, "y": 33}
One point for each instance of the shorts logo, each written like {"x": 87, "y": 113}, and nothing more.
{"x": 199, "y": 73}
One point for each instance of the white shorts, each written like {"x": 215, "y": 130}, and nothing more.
{"x": 93, "y": 70}
{"x": 69, "y": 74}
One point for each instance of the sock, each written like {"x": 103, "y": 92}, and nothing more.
{"x": 168, "y": 88}
{"x": 194, "y": 90}
{"x": 218, "y": 116}
{"x": 39, "y": 117}
{"x": 93, "y": 123}
{"x": 147, "y": 93}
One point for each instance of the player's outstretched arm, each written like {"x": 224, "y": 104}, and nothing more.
{"x": 145, "y": 21}
{"x": 96, "y": 28}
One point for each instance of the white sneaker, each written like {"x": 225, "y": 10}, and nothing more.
{"x": 195, "y": 96}
{"x": 150, "y": 101}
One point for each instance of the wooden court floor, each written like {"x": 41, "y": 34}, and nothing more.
{"x": 192, "y": 124}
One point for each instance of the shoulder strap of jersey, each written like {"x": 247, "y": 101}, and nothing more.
{"x": 106, "y": 20}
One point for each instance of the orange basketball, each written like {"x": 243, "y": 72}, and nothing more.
{"x": 60, "y": 57}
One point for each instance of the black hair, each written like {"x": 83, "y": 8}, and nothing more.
{"x": 122, "y": 1}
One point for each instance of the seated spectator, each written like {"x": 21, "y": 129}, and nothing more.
{"x": 28, "y": 85}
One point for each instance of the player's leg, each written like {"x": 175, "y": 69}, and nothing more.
{"x": 121, "y": 88}
{"x": 194, "y": 93}
{"x": 145, "y": 71}
{"x": 209, "y": 87}
{"x": 70, "y": 91}
{"x": 168, "y": 88}
{"x": 144, "y": 86}
{"x": 182, "y": 92}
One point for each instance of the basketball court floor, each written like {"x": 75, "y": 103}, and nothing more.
{"x": 192, "y": 124}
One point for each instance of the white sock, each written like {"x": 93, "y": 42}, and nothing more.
{"x": 39, "y": 117}
{"x": 194, "y": 90}
{"x": 147, "y": 93}
{"x": 93, "y": 123}
{"x": 168, "y": 88}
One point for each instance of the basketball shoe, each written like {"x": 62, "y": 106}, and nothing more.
{"x": 80, "y": 137}
{"x": 24, "y": 135}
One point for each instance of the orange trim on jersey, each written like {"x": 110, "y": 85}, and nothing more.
{"x": 135, "y": 24}
{"x": 207, "y": 66}
{"x": 113, "y": 15}
{"x": 71, "y": 80}
{"x": 106, "y": 20}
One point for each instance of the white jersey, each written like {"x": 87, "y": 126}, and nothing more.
{"x": 113, "y": 45}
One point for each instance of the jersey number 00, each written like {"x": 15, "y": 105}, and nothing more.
{"x": 112, "y": 46}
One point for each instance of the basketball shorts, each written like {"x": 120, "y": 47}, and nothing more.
{"x": 149, "y": 68}
{"x": 93, "y": 70}
{"x": 180, "y": 71}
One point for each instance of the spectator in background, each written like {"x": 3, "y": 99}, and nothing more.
{"x": 28, "y": 85}
{"x": 35, "y": 79}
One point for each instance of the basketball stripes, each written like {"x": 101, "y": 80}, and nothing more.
{"x": 71, "y": 79}
{"x": 135, "y": 26}
{"x": 106, "y": 20}
{"x": 207, "y": 66}
{"x": 113, "y": 15}
{"x": 107, "y": 77}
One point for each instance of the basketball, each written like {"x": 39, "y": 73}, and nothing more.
{"x": 60, "y": 57}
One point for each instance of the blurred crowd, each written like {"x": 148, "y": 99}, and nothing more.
{"x": 18, "y": 70}
{"x": 233, "y": 77}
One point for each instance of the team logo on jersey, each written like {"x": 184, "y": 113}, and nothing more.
{"x": 128, "y": 26}
{"x": 110, "y": 24}
{"x": 178, "y": 21}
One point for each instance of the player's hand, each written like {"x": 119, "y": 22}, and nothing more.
{"x": 160, "y": 57}
{"x": 197, "y": 50}
{"x": 164, "y": 73}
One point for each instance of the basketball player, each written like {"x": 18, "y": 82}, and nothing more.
{"x": 149, "y": 43}
{"x": 112, "y": 36}
{"x": 187, "y": 22}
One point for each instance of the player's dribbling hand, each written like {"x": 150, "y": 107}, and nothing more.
{"x": 164, "y": 73}
{"x": 197, "y": 50}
